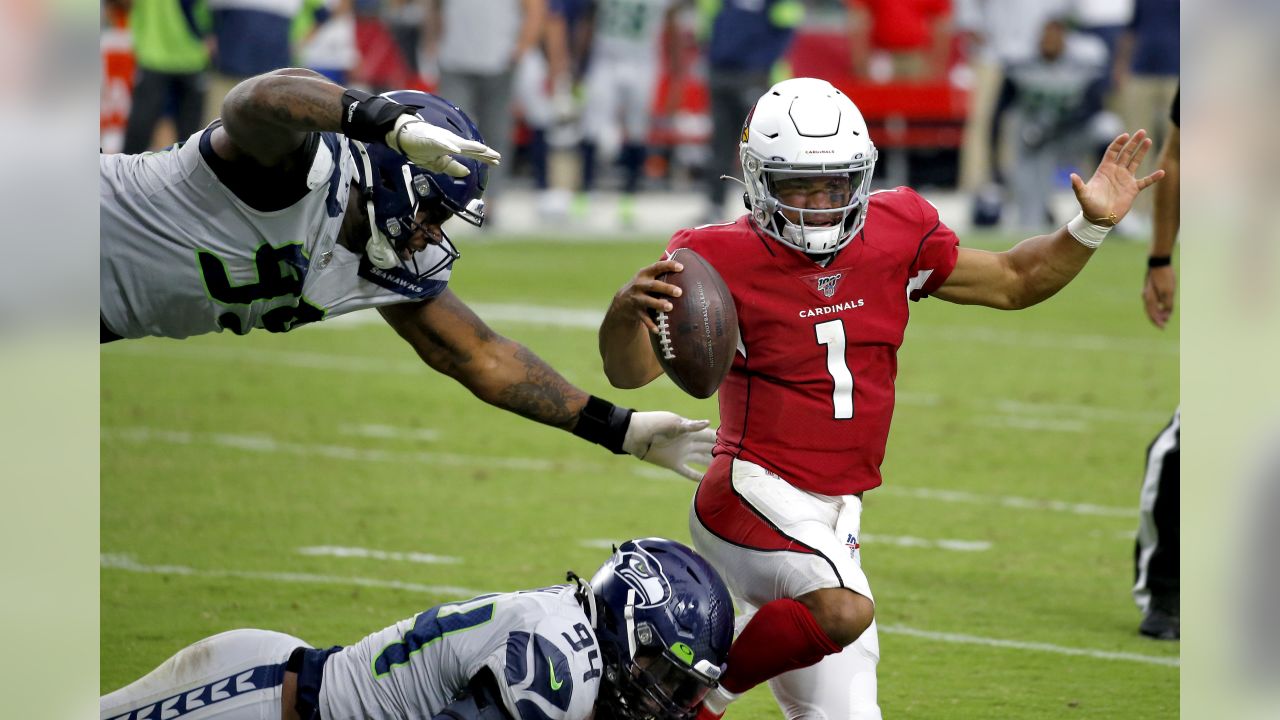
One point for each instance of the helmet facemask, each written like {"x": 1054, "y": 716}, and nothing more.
{"x": 812, "y": 230}
{"x": 654, "y": 682}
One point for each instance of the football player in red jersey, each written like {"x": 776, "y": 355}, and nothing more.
{"x": 821, "y": 271}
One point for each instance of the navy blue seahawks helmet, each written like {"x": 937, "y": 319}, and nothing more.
{"x": 664, "y": 620}
{"x": 396, "y": 190}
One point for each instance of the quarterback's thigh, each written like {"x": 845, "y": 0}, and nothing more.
{"x": 235, "y": 674}
{"x": 839, "y": 687}
{"x": 770, "y": 540}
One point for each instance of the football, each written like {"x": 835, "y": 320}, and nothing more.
{"x": 696, "y": 340}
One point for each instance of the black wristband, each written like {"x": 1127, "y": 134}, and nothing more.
{"x": 1158, "y": 261}
{"x": 368, "y": 118}
{"x": 603, "y": 423}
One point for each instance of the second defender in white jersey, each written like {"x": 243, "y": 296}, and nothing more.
{"x": 307, "y": 200}
{"x": 645, "y": 640}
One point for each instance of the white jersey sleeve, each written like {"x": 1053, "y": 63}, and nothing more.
{"x": 182, "y": 255}
{"x": 538, "y": 645}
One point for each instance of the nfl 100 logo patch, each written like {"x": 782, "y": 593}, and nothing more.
{"x": 827, "y": 284}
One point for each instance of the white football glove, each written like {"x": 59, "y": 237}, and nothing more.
{"x": 670, "y": 441}
{"x": 429, "y": 147}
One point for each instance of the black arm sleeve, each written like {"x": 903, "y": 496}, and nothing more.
{"x": 480, "y": 701}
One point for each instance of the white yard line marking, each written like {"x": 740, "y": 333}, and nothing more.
{"x": 268, "y": 444}
{"x": 899, "y": 540}
{"x": 366, "y": 553}
{"x": 1020, "y": 422}
{"x": 915, "y": 542}
{"x": 128, "y": 563}
{"x": 306, "y": 360}
{"x": 390, "y": 432}
{"x": 589, "y": 319}
{"x": 1033, "y": 646}
{"x": 1040, "y": 340}
{"x": 1008, "y": 501}
{"x": 1090, "y": 413}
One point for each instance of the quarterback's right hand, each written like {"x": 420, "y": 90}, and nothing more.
{"x": 430, "y": 147}
{"x": 644, "y": 292}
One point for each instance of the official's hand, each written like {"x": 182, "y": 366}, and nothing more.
{"x": 644, "y": 293}
{"x": 1157, "y": 294}
{"x": 1109, "y": 194}
{"x": 670, "y": 441}
{"x": 430, "y": 147}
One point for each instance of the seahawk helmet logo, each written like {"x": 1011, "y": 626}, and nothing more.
{"x": 641, "y": 571}
{"x": 827, "y": 284}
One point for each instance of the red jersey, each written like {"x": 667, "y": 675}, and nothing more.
{"x": 810, "y": 395}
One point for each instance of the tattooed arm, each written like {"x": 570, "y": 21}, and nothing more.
{"x": 453, "y": 340}
{"x": 267, "y": 117}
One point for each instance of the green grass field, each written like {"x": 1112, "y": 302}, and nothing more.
{"x": 999, "y": 547}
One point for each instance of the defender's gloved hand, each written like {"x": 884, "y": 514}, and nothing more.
{"x": 430, "y": 147}
{"x": 670, "y": 441}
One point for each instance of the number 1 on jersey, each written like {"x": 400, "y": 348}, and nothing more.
{"x": 831, "y": 334}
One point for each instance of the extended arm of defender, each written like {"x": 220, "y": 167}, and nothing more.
{"x": 267, "y": 117}
{"x": 628, "y": 357}
{"x": 1036, "y": 268}
{"x": 450, "y": 338}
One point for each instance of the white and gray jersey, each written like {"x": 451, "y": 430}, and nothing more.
{"x": 538, "y": 644}
{"x": 629, "y": 31}
{"x": 182, "y": 254}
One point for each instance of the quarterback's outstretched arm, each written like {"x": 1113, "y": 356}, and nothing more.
{"x": 453, "y": 340}
{"x": 1036, "y": 268}
{"x": 628, "y": 357}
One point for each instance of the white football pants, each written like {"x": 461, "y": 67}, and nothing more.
{"x": 747, "y": 551}
{"x": 235, "y": 675}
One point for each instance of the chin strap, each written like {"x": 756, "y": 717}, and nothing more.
{"x": 378, "y": 249}
{"x": 585, "y": 596}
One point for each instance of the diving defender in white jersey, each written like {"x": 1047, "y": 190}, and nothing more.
{"x": 305, "y": 201}
{"x": 645, "y": 640}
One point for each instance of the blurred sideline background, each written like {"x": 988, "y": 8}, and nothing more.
{"x": 52, "y": 111}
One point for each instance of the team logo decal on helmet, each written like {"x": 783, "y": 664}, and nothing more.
{"x": 402, "y": 198}
{"x": 643, "y": 573}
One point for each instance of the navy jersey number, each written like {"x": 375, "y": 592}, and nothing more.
{"x": 429, "y": 627}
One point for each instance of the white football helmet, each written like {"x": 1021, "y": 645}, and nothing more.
{"x": 806, "y": 127}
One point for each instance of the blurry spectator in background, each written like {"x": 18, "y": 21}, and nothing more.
{"x": 325, "y": 35}
{"x": 170, "y": 50}
{"x": 1106, "y": 20}
{"x": 744, "y": 40}
{"x": 1156, "y": 554}
{"x": 251, "y": 37}
{"x": 405, "y": 20}
{"x": 998, "y": 33}
{"x": 544, "y": 94}
{"x": 477, "y": 44}
{"x": 1145, "y": 79}
{"x": 626, "y": 41}
{"x": 897, "y": 40}
{"x": 1053, "y": 103}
